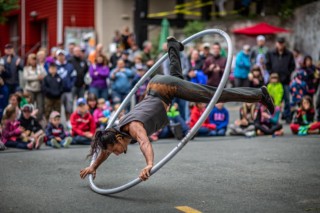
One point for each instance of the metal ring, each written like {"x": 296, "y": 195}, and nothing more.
{"x": 191, "y": 133}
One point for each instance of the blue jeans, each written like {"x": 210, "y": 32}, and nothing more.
{"x": 81, "y": 140}
{"x": 16, "y": 144}
{"x": 204, "y": 131}
{"x": 218, "y": 132}
{"x": 100, "y": 93}
{"x": 286, "y": 98}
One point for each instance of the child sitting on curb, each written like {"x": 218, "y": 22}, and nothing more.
{"x": 303, "y": 122}
{"x": 56, "y": 136}
{"x": 83, "y": 125}
{"x": 12, "y": 132}
{"x": 219, "y": 116}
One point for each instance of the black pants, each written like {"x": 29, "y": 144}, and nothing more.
{"x": 268, "y": 129}
{"x": 173, "y": 86}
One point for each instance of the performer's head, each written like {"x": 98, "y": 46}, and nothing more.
{"x": 110, "y": 140}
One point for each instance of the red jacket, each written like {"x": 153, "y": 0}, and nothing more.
{"x": 82, "y": 123}
{"x": 195, "y": 115}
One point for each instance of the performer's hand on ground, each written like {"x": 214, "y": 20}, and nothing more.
{"x": 145, "y": 173}
{"x": 87, "y": 171}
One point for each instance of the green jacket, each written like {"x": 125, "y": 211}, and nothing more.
{"x": 276, "y": 92}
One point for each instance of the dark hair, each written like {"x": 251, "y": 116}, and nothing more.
{"x": 307, "y": 98}
{"x": 217, "y": 44}
{"x": 102, "y": 139}
{"x": 305, "y": 60}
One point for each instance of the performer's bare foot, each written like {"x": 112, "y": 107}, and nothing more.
{"x": 173, "y": 41}
{"x": 267, "y": 100}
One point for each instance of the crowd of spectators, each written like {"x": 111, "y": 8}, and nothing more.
{"x": 90, "y": 86}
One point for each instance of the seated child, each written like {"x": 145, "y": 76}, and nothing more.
{"x": 56, "y": 136}
{"x": 92, "y": 102}
{"x": 275, "y": 89}
{"x": 245, "y": 125}
{"x": 206, "y": 128}
{"x": 32, "y": 130}
{"x": 83, "y": 125}
{"x": 219, "y": 116}
{"x": 303, "y": 122}
{"x": 267, "y": 124}
{"x": 255, "y": 77}
{"x": 102, "y": 113}
{"x": 11, "y": 135}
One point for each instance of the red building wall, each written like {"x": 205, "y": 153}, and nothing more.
{"x": 75, "y": 14}
{"x": 78, "y": 13}
{"x": 47, "y": 12}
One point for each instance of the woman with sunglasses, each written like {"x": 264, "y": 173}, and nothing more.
{"x": 150, "y": 114}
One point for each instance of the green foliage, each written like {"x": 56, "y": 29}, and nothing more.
{"x": 287, "y": 7}
{"x": 193, "y": 27}
{"x": 6, "y": 6}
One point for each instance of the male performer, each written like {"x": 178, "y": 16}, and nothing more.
{"x": 150, "y": 114}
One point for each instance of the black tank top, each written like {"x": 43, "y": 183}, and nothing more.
{"x": 150, "y": 111}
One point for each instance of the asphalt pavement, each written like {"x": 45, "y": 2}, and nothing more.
{"x": 223, "y": 174}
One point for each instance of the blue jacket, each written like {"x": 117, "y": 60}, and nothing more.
{"x": 122, "y": 81}
{"x": 219, "y": 117}
{"x": 52, "y": 131}
{"x": 242, "y": 67}
{"x": 4, "y": 97}
{"x": 200, "y": 78}
{"x": 68, "y": 74}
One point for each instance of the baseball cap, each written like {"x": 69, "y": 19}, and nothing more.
{"x": 81, "y": 101}
{"x": 246, "y": 47}
{"x": 54, "y": 114}
{"x": 27, "y": 108}
{"x": 8, "y": 46}
{"x": 281, "y": 40}
{"x": 206, "y": 45}
{"x": 261, "y": 38}
{"x": 60, "y": 51}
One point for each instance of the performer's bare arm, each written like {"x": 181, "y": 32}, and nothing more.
{"x": 138, "y": 132}
{"x": 104, "y": 154}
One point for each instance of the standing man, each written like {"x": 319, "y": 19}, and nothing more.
{"x": 259, "y": 49}
{"x": 12, "y": 65}
{"x": 281, "y": 61}
{"x": 68, "y": 75}
{"x": 214, "y": 66}
{"x": 81, "y": 68}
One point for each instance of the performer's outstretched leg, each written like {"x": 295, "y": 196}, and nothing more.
{"x": 169, "y": 87}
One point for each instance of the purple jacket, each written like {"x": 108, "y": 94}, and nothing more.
{"x": 99, "y": 74}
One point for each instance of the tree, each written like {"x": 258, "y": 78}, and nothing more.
{"x": 6, "y": 6}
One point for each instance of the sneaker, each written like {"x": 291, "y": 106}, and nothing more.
{"x": 172, "y": 40}
{"x": 30, "y": 145}
{"x": 39, "y": 142}
{"x": 55, "y": 144}
{"x": 250, "y": 134}
{"x": 67, "y": 142}
{"x": 2, "y": 146}
{"x": 267, "y": 100}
